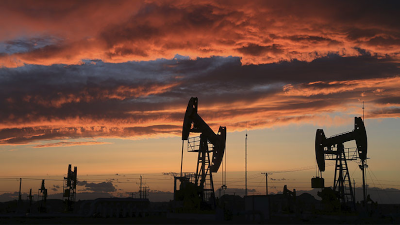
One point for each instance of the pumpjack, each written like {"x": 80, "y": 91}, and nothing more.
{"x": 332, "y": 148}
{"x": 199, "y": 186}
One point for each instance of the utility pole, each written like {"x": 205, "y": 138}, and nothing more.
{"x": 140, "y": 187}
{"x": 245, "y": 166}
{"x": 266, "y": 183}
{"x": 19, "y": 195}
{"x": 30, "y": 199}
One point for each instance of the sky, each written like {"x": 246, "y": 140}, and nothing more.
{"x": 104, "y": 85}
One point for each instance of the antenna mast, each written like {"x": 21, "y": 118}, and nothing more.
{"x": 245, "y": 165}
{"x": 362, "y": 167}
{"x": 363, "y": 110}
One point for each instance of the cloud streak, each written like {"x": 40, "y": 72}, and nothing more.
{"x": 67, "y": 144}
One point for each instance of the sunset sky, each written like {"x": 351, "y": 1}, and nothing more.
{"x": 104, "y": 85}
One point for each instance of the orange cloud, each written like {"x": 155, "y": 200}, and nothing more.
{"x": 67, "y": 144}
{"x": 257, "y": 31}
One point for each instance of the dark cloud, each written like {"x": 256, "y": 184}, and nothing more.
{"x": 5, "y": 197}
{"x": 384, "y": 41}
{"x": 389, "y": 100}
{"x": 141, "y": 98}
{"x": 313, "y": 39}
{"x": 331, "y": 68}
{"x": 55, "y": 187}
{"x": 257, "y": 50}
{"x": 103, "y": 187}
{"x": 387, "y": 112}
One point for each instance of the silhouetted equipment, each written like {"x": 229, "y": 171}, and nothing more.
{"x": 317, "y": 182}
{"x": 208, "y": 142}
{"x": 329, "y": 199}
{"x": 324, "y": 151}
{"x": 290, "y": 198}
{"x": 70, "y": 187}
{"x": 288, "y": 192}
{"x": 43, "y": 192}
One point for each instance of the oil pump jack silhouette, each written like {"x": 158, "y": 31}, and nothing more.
{"x": 325, "y": 150}
{"x": 199, "y": 186}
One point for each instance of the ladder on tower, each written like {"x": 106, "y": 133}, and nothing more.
{"x": 203, "y": 178}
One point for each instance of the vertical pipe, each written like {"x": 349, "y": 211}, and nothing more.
{"x": 30, "y": 198}
{"x": 222, "y": 166}
{"x": 182, "y": 157}
{"x": 140, "y": 187}
{"x": 354, "y": 183}
{"x": 225, "y": 170}
{"x": 266, "y": 183}
{"x": 363, "y": 174}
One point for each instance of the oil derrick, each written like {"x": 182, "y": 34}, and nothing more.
{"x": 43, "y": 192}
{"x": 332, "y": 148}
{"x": 70, "y": 188}
{"x": 201, "y": 190}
